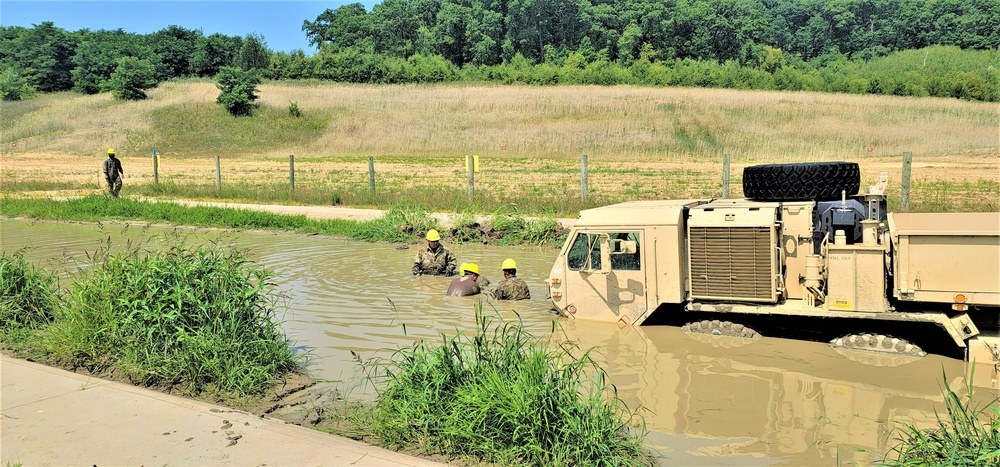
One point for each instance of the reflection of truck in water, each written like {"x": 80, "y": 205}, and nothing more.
{"x": 801, "y": 256}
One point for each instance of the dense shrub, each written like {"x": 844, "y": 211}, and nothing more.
{"x": 239, "y": 90}
{"x": 28, "y": 295}
{"x": 200, "y": 318}
{"x": 503, "y": 396}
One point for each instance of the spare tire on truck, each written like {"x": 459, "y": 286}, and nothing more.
{"x": 819, "y": 181}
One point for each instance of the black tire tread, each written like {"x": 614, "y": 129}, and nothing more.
{"x": 819, "y": 181}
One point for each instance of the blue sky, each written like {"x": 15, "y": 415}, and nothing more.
{"x": 280, "y": 22}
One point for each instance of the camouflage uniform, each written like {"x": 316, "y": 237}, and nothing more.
{"x": 112, "y": 170}
{"x": 439, "y": 262}
{"x": 512, "y": 288}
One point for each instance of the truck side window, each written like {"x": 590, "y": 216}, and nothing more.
{"x": 583, "y": 245}
{"x": 628, "y": 261}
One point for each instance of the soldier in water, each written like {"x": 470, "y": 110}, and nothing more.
{"x": 434, "y": 259}
{"x": 481, "y": 280}
{"x": 465, "y": 285}
{"x": 511, "y": 287}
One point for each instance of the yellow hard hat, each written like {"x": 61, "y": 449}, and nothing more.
{"x": 471, "y": 267}
{"x": 111, "y": 150}
{"x": 508, "y": 264}
{"x": 433, "y": 235}
{"x": 461, "y": 269}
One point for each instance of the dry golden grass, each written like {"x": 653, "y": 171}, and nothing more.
{"x": 642, "y": 142}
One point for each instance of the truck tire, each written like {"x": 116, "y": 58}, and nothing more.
{"x": 818, "y": 181}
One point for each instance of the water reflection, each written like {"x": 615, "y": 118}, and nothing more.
{"x": 707, "y": 401}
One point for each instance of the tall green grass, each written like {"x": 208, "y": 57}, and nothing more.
{"x": 502, "y": 396}
{"x": 541, "y": 199}
{"x": 969, "y": 435}
{"x": 399, "y": 225}
{"x": 29, "y": 297}
{"x": 201, "y": 319}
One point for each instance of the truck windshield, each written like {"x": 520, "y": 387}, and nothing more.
{"x": 584, "y": 245}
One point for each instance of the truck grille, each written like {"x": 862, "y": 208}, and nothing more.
{"x": 732, "y": 263}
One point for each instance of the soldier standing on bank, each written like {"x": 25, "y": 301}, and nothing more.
{"x": 434, "y": 259}
{"x": 511, "y": 287}
{"x": 113, "y": 173}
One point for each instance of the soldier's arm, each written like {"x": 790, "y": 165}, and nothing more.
{"x": 450, "y": 264}
{"x": 416, "y": 265}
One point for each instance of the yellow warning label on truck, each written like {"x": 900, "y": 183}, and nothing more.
{"x": 841, "y": 305}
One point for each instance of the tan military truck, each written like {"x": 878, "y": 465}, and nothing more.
{"x": 802, "y": 256}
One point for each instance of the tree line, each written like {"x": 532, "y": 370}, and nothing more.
{"x": 490, "y": 32}
{"x": 946, "y": 48}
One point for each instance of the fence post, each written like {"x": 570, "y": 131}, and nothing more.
{"x": 218, "y": 174}
{"x": 371, "y": 174}
{"x": 725, "y": 176}
{"x": 472, "y": 176}
{"x": 156, "y": 169}
{"x": 904, "y": 198}
{"x": 583, "y": 178}
{"x": 291, "y": 172}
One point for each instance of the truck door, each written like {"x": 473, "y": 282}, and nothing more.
{"x": 606, "y": 276}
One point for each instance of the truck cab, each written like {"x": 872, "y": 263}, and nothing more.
{"x": 825, "y": 266}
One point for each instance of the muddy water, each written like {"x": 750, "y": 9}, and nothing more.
{"x": 706, "y": 401}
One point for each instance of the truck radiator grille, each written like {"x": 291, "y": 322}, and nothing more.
{"x": 732, "y": 263}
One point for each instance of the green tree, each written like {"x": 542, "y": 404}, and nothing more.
{"x": 345, "y": 27}
{"x": 13, "y": 86}
{"x": 253, "y": 53}
{"x": 41, "y": 54}
{"x": 239, "y": 90}
{"x": 131, "y": 78}
{"x": 97, "y": 57}
{"x": 175, "y": 46}
{"x": 214, "y": 52}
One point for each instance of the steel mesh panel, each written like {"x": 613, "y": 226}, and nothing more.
{"x": 733, "y": 263}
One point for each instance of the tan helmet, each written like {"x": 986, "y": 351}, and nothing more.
{"x": 472, "y": 267}
{"x": 433, "y": 235}
{"x": 111, "y": 150}
{"x": 508, "y": 264}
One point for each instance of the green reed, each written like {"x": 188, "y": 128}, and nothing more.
{"x": 29, "y": 297}
{"x": 969, "y": 435}
{"x": 199, "y": 319}
{"x": 501, "y": 396}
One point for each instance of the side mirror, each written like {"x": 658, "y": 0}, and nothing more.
{"x": 623, "y": 247}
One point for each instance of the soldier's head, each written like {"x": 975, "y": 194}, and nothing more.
{"x": 471, "y": 269}
{"x": 111, "y": 153}
{"x": 509, "y": 268}
{"x": 433, "y": 238}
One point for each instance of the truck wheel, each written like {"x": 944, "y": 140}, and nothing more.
{"x": 879, "y": 343}
{"x": 720, "y": 328}
{"x": 819, "y": 181}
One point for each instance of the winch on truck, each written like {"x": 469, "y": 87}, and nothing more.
{"x": 801, "y": 256}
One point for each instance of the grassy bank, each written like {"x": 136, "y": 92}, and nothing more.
{"x": 617, "y": 123}
{"x": 201, "y": 320}
{"x": 396, "y": 226}
{"x": 499, "y": 395}
{"x": 967, "y": 434}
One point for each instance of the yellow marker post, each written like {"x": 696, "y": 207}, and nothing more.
{"x": 475, "y": 163}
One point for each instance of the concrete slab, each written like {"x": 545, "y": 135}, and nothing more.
{"x": 54, "y": 417}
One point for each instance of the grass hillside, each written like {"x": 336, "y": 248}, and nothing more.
{"x": 641, "y": 142}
